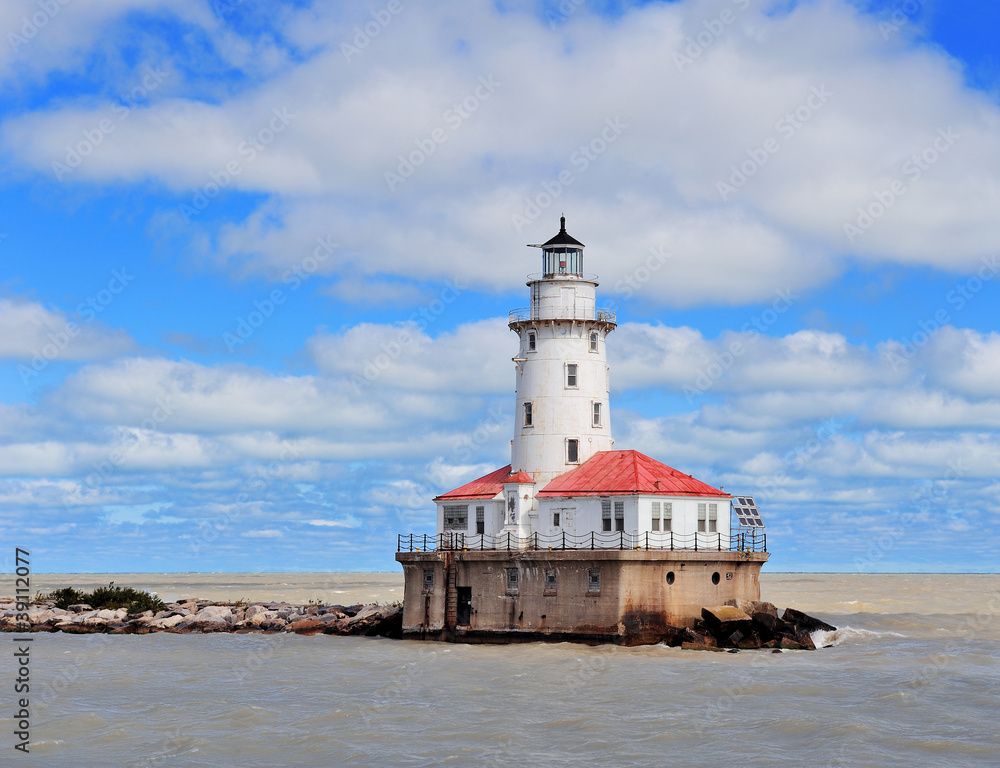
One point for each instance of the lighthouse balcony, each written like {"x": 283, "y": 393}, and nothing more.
{"x": 749, "y": 540}
{"x": 531, "y": 314}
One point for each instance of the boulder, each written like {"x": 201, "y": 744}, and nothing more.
{"x": 254, "y": 610}
{"x": 373, "y": 620}
{"x": 306, "y": 627}
{"x": 80, "y": 608}
{"x": 694, "y": 640}
{"x": 723, "y": 621}
{"x": 803, "y": 621}
{"x": 212, "y": 612}
{"x": 167, "y": 622}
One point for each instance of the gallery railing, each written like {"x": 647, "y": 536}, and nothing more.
{"x": 752, "y": 540}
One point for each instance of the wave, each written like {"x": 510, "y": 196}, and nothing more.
{"x": 823, "y": 638}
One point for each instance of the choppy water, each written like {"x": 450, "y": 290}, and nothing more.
{"x": 912, "y": 679}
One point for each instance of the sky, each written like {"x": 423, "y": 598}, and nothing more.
{"x": 256, "y": 260}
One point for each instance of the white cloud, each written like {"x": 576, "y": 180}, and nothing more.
{"x": 36, "y": 335}
{"x": 687, "y": 127}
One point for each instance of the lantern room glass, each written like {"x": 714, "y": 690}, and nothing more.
{"x": 563, "y": 261}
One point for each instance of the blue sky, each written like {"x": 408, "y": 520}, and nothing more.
{"x": 257, "y": 259}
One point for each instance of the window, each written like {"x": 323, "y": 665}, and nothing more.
{"x": 619, "y": 515}
{"x": 702, "y": 516}
{"x": 527, "y": 414}
{"x": 511, "y": 581}
{"x": 713, "y": 516}
{"x": 655, "y": 526}
{"x": 605, "y": 515}
{"x": 593, "y": 341}
{"x": 480, "y": 520}
{"x": 551, "y": 580}
{"x": 593, "y": 579}
{"x": 607, "y": 376}
{"x": 597, "y": 414}
{"x": 531, "y": 341}
{"x": 456, "y": 518}
{"x": 555, "y": 519}
{"x": 571, "y": 375}
{"x": 428, "y": 579}
{"x": 668, "y": 514}
{"x": 572, "y": 451}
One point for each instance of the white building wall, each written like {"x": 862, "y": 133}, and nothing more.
{"x": 582, "y": 514}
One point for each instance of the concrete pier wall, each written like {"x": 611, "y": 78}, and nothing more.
{"x": 623, "y": 596}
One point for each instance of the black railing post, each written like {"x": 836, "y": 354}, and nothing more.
{"x": 765, "y": 542}
{"x": 621, "y": 539}
{"x": 591, "y": 539}
{"x": 696, "y": 541}
{"x": 647, "y": 541}
{"x": 564, "y": 539}
{"x": 719, "y": 533}
{"x": 671, "y": 541}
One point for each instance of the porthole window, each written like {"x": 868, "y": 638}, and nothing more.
{"x": 670, "y": 577}
{"x": 715, "y": 577}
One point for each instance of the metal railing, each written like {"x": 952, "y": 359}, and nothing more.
{"x": 524, "y": 314}
{"x": 754, "y": 540}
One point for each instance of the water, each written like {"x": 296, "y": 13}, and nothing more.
{"x": 911, "y": 680}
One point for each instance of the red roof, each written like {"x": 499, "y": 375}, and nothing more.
{"x": 520, "y": 477}
{"x": 624, "y": 473}
{"x": 485, "y": 487}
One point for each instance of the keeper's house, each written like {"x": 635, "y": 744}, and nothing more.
{"x": 574, "y": 540}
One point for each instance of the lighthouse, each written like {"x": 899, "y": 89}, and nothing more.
{"x": 562, "y": 380}
{"x": 575, "y": 539}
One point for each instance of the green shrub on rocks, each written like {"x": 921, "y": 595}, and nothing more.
{"x": 65, "y": 597}
{"x": 110, "y": 597}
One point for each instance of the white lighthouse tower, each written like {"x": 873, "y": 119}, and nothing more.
{"x": 562, "y": 415}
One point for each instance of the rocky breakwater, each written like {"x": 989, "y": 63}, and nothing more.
{"x": 748, "y": 624}
{"x": 205, "y": 616}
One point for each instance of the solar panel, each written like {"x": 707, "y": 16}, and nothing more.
{"x": 747, "y": 513}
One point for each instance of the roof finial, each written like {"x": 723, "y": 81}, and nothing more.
{"x": 562, "y": 223}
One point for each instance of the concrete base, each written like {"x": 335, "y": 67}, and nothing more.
{"x": 621, "y": 596}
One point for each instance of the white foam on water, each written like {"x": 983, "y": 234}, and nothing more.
{"x": 823, "y": 638}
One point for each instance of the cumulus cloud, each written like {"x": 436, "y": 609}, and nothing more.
{"x": 840, "y": 111}
{"x": 32, "y": 333}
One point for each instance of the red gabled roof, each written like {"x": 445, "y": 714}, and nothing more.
{"x": 617, "y": 473}
{"x": 485, "y": 487}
